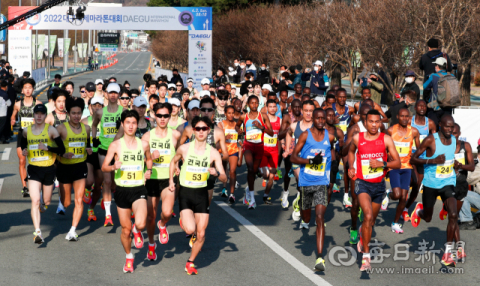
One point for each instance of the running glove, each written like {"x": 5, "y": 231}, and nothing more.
{"x": 316, "y": 160}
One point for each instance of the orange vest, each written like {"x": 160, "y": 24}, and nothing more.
{"x": 403, "y": 144}
{"x": 230, "y": 131}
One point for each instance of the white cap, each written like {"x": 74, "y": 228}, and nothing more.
{"x": 440, "y": 61}
{"x": 96, "y": 99}
{"x": 205, "y": 81}
{"x": 230, "y": 68}
{"x": 193, "y": 104}
{"x": 233, "y": 86}
{"x": 174, "y": 101}
{"x": 139, "y": 101}
{"x": 97, "y": 81}
{"x": 189, "y": 79}
{"x": 318, "y": 63}
{"x": 113, "y": 87}
{"x": 267, "y": 86}
{"x": 170, "y": 85}
{"x": 204, "y": 93}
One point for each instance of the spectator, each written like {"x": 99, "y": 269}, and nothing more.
{"x": 56, "y": 83}
{"x": 243, "y": 71}
{"x": 319, "y": 81}
{"x": 3, "y": 72}
{"x": 431, "y": 85}
{"x": 467, "y": 220}
{"x": 237, "y": 70}
{"x": 385, "y": 98}
{"x": 18, "y": 83}
{"x": 251, "y": 67}
{"x": 410, "y": 83}
{"x": 406, "y": 101}
{"x": 284, "y": 81}
{"x": 248, "y": 81}
{"x": 221, "y": 77}
{"x": 375, "y": 87}
{"x": 298, "y": 77}
{"x": 12, "y": 95}
{"x": 427, "y": 60}
{"x": 4, "y": 104}
{"x": 176, "y": 77}
{"x": 263, "y": 75}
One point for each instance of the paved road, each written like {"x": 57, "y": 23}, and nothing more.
{"x": 243, "y": 247}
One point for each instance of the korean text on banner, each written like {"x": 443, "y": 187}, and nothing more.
{"x": 199, "y": 55}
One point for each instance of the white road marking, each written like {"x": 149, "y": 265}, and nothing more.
{"x": 6, "y": 154}
{"x": 1, "y": 184}
{"x": 290, "y": 259}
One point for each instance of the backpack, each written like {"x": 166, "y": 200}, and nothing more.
{"x": 448, "y": 93}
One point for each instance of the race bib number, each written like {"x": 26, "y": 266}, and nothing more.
{"x": 26, "y": 121}
{"x": 343, "y": 125}
{"x": 460, "y": 158}
{"x": 196, "y": 176}
{"x": 315, "y": 170}
{"x": 444, "y": 170}
{"x": 369, "y": 172}
{"x": 402, "y": 148}
{"x": 414, "y": 147}
{"x": 131, "y": 175}
{"x": 270, "y": 141}
{"x": 109, "y": 129}
{"x": 232, "y": 134}
{"x": 35, "y": 154}
{"x": 77, "y": 148}
{"x": 164, "y": 160}
{"x": 254, "y": 135}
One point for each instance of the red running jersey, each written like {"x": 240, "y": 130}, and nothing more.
{"x": 367, "y": 150}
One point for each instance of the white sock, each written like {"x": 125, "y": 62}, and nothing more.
{"x": 151, "y": 244}
{"x": 162, "y": 227}
{"x": 72, "y": 229}
{"x": 286, "y": 192}
{"x": 130, "y": 255}
{"x": 418, "y": 211}
{"x": 448, "y": 247}
{"x": 38, "y": 231}
{"x": 389, "y": 191}
{"x": 252, "y": 195}
{"x": 366, "y": 255}
{"x": 135, "y": 228}
{"x": 405, "y": 210}
{"x": 107, "y": 208}
{"x": 265, "y": 195}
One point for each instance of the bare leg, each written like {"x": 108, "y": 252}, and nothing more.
{"x": 233, "y": 160}
{"x": 320, "y": 233}
{"x": 355, "y": 205}
{"x": 168, "y": 200}
{"x": 201, "y": 220}
{"x": 22, "y": 166}
{"x": 152, "y": 204}
{"x": 78, "y": 188}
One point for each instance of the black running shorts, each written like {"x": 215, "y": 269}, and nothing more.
{"x": 155, "y": 187}
{"x": 44, "y": 175}
{"x": 93, "y": 160}
{"x": 126, "y": 196}
{"x": 67, "y": 174}
{"x": 193, "y": 199}
{"x": 429, "y": 195}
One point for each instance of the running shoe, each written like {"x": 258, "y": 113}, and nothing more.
{"x": 87, "y": 196}
{"x": 231, "y": 199}
{"x": 132, "y": 215}
{"x": 163, "y": 236}
{"x": 108, "y": 221}
{"x": 60, "y": 209}
{"x": 190, "y": 268}
{"x": 173, "y": 214}
{"x": 304, "y": 225}
{"x": 246, "y": 199}
{"x": 285, "y": 202}
{"x": 448, "y": 259}
{"x": 319, "y": 264}
{"x": 25, "y": 192}
{"x": 37, "y": 238}
{"x": 224, "y": 193}
{"x": 267, "y": 200}
{"x": 264, "y": 183}
{"x": 405, "y": 215}
{"x": 415, "y": 218}
{"x": 137, "y": 238}
{"x": 102, "y": 205}
{"x": 295, "y": 201}
{"x": 91, "y": 215}
{"x": 353, "y": 236}
{"x": 276, "y": 178}
{"x": 365, "y": 264}
{"x": 72, "y": 236}
{"x": 397, "y": 228}
{"x": 385, "y": 202}
{"x": 339, "y": 176}
{"x": 151, "y": 254}
{"x": 192, "y": 240}
{"x": 128, "y": 266}
{"x": 460, "y": 254}
{"x": 347, "y": 201}
{"x": 279, "y": 174}
{"x": 56, "y": 184}
{"x": 296, "y": 209}
{"x": 43, "y": 208}
{"x": 360, "y": 214}
{"x": 252, "y": 204}
{"x": 443, "y": 213}
{"x": 336, "y": 189}
{"x": 360, "y": 240}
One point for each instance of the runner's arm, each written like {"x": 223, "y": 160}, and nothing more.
{"x": 148, "y": 158}
{"x": 95, "y": 121}
{"x": 112, "y": 149}
{"x": 341, "y": 137}
{"x": 284, "y": 128}
{"x": 428, "y": 141}
{"x": 218, "y": 165}
{"x": 173, "y": 164}
{"x": 395, "y": 164}
{"x": 352, "y": 148}
{"x": 53, "y": 134}
{"x": 49, "y": 120}
{"x": 432, "y": 128}
{"x": 351, "y": 132}
{"x": 13, "y": 118}
{"x": 471, "y": 164}
{"x": 119, "y": 134}
{"x": 221, "y": 141}
{"x": 185, "y": 135}
{"x": 268, "y": 127}
{"x": 288, "y": 141}
{"x": 176, "y": 138}
{"x": 294, "y": 158}
{"x": 416, "y": 136}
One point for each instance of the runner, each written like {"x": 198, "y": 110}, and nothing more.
{"x": 269, "y": 163}
{"x": 222, "y": 99}
{"x": 253, "y": 145}
{"x": 371, "y": 160}
{"x": 175, "y": 120}
{"x": 403, "y": 136}
{"x": 231, "y": 140}
{"x": 338, "y": 145}
{"x": 313, "y": 152}
{"x": 125, "y": 99}
{"x": 162, "y": 141}
{"x": 99, "y": 89}
{"x": 283, "y": 101}
{"x": 329, "y": 101}
{"x": 107, "y": 118}
{"x": 440, "y": 180}
{"x": 149, "y": 114}
{"x": 193, "y": 199}
{"x": 297, "y": 95}
{"x": 24, "y": 110}
{"x": 366, "y": 93}
{"x": 143, "y": 125}
{"x": 93, "y": 185}
{"x": 237, "y": 105}
{"x": 59, "y": 115}
{"x": 130, "y": 154}
{"x": 36, "y": 143}
{"x": 142, "y": 88}
{"x": 193, "y": 91}
{"x": 71, "y": 167}
{"x": 193, "y": 110}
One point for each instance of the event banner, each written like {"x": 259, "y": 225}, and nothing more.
{"x": 125, "y": 18}
{"x": 41, "y": 42}
{"x": 3, "y": 33}
{"x": 66, "y": 43}
{"x": 53, "y": 40}
{"x": 199, "y": 55}
{"x": 19, "y": 42}
{"x": 60, "y": 47}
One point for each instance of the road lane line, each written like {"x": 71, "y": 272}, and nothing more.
{"x": 290, "y": 259}
{"x": 1, "y": 184}
{"x": 6, "y": 154}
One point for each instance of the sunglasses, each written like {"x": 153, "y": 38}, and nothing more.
{"x": 124, "y": 98}
{"x": 204, "y": 109}
{"x": 204, "y": 128}
{"x": 127, "y": 87}
{"x": 172, "y": 88}
{"x": 223, "y": 97}
{"x": 179, "y": 85}
{"x": 159, "y": 115}
{"x": 250, "y": 87}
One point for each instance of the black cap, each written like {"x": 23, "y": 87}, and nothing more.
{"x": 177, "y": 96}
{"x": 90, "y": 86}
{"x": 58, "y": 76}
{"x": 40, "y": 108}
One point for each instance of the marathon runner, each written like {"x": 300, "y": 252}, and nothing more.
{"x": 284, "y": 101}
{"x": 297, "y": 88}
{"x": 403, "y": 136}
{"x": 130, "y": 154}
{"x": 24, "y": 110}
{"x": 59, "y": 115}
{"x": 175, "y": 120}
{"x": 255, "y": 126}
{"x": 440, "y": 180}
{"x": 143, "y": 125}
{"x": 72, "y": 168}
{"x": 222, "y": 99}
{"x": 338, "y": 145}
{"x": 193, "y": 197}
{"x": 143, "y": 88}
{"x": 371, "y": 163}
{"x": 106, "y": 118}
{"x": 162, "y": 141}
{"x": 366, "y": 93}
{"x": 99, "y": 90}
{"x": 313, "y": 152}
{"x": 125, "y": 99}
{"x": 37, "y": 140}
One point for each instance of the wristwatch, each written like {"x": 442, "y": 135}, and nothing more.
{"x": 384, "y": 164}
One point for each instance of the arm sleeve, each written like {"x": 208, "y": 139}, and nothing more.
{"x": 60, "y": 150}
{"x": 24, "y": 142}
